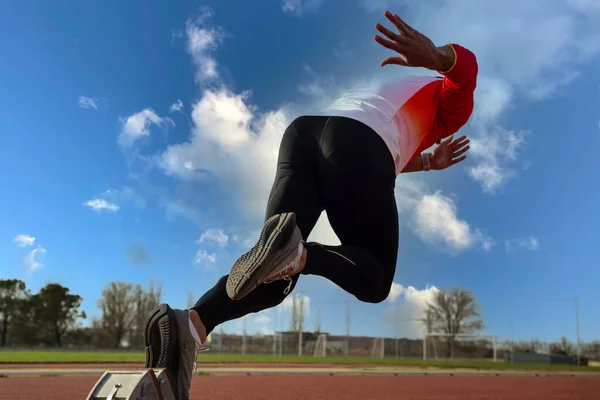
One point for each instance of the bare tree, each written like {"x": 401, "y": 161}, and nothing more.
{"x": 453, "y": 312}
{"x": 117, "y": 305}
{"x": 301, "y": 301}
{"x": 294, "y": 316}
{"x": 191, "y": 299}
{"x": 592, "y": 350}
{"x": 145, "y": 300}
{"x": 529, "y": 346}
{"x": 317, "y": 323}
{"x": 428, "y": 321}
{"x": 297, "y": 317}
{"x": 348, "y": 321}
{"x": 562, "y": 347}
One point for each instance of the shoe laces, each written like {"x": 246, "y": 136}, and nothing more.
{"x": 285, "y": 274}
{"x": 198, "y": 349}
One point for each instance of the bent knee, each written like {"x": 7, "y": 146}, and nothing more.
{"x": 375, "y": 298}
{"x": 377, "y": 294}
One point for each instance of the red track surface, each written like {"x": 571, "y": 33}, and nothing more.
{"x": 200, "y": 366}
{"x": 323, "y": 387}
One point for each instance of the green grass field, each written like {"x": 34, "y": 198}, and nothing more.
{"x": 56, "y": 357}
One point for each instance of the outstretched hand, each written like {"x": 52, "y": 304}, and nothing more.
{"x": 414, "y": 48}
{"x": 449, "y": 152}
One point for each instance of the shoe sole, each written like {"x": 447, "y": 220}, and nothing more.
{"x": 161, "y": 335}
{"x": 251, "y": 268}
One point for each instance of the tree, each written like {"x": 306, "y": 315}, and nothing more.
{"x": 317, "y": 323}
{"x": 144, "y": 302}
{"x": 563, "y": 347}
{"x": 300, "y": 307}
{"x": 294, "y": 317}
{"x": 297, "y": 318}
{"x": 429, "y": 321}
{"x": 12, "y": 294}
{"x": 191, "y": 299}
{"x": 55, "y": 311}
{"x": 453, "y": 312}
{"x": 24, "y": 329}
{"x": 117, "y": 304}
{"x": 591, "y": 350}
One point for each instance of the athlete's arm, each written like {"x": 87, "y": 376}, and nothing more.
{"x": 459, "y": 67}
{"x": 415, "y": 165}
{"x": 446, "y": 154}
{"x": 456, "y": 63}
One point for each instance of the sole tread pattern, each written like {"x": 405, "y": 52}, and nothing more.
{"x": 251, "y": 268}
{"x": 160, "y": 340}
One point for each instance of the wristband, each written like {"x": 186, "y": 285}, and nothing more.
{"x": 425, "y": 159}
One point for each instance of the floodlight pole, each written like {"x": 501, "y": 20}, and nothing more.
{"x": 577, "y": 328}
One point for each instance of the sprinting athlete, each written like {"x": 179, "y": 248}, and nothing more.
{"x": 344, "y": 162}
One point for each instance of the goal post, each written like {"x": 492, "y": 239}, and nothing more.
{"x": 460, "y": 346}
{"x": 320, "y": 346}
{"x": 378, "y": 349}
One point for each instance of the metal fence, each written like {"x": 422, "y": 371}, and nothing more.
{"x": 314, "y": 344}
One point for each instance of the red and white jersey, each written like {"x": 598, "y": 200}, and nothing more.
{"x": 413, "y": 113}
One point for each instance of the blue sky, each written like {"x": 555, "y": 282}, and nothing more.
{"x": 133, "y": 130}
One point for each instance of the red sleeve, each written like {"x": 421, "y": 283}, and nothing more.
{"x": 456, "y": 96}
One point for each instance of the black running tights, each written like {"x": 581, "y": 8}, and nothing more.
{"x": 341, "y": 166}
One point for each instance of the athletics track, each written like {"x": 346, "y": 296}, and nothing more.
{"x": 219, "y": 382}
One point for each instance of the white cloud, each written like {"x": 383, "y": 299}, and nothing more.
{"x": 395, "y": 291}
{"x": 343, "y": 52}
{"x": 406, "y": 311}
{"x": 263, "y": 322}
{"x": 101, "y": 205}
{"x": 487, "y": 243}
{"x": 177, "y": 106}
{"x": 137, "y": 126}
{"x": 520, "y": 43}
{"x": 200, "y": 41}
{"x": 437, "y": 223}
{"x": 205, "y": 258}
{"x": 317, "y": 86}
{"x": 291, "y": 5}
{"x": 250, "y": 240}
{"x": 236, "y": 145}
{"x": 112, "y": 199}
{"x": 214, "y": 235}
{"x": 87, "y": 102}
{"x": 31, "y": 261}
{"x": 492, "y": 150}
{"x": 323, "y": 232}
{"x": 375, "y": 5}
{"x": 434, "y": 218}
{"x": 126, "y": 194}
{"x": 492, "y": 97}
{"x": 529, "y": 49}
{"x": 24, "y": 240}
{"x": 529, "y": 243}
{"x": 298, "y": 7}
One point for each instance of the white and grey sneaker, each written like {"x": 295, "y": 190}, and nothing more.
{"x": 275, "y": 257}
{"x": 170, "y": 344}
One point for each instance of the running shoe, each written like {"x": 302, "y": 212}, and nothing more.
{"x": 170, "y": 344}
{"x": 276, "y": 256}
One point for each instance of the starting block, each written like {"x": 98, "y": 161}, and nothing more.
{"x": 134, "y": 384}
